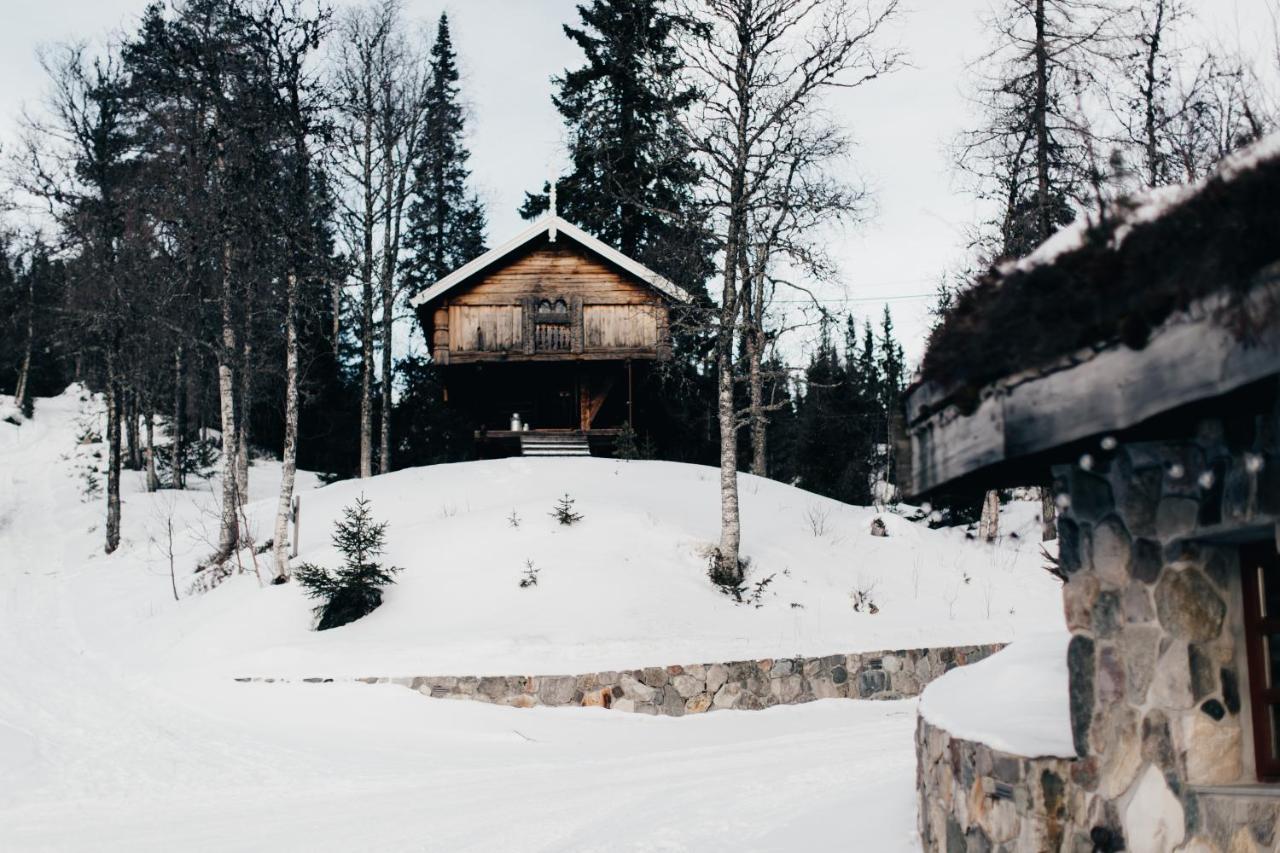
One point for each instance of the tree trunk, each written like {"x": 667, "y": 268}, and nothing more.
{"x": 1152, "y": 142}
{"x": 755, "y": 387}
{"x": 289, "y": 453}
{"x": 134, "y": 457}
{"x": 113, "y": 455}
{"x": 388, "y": 308}
{"x": 229, "y": 531}
{"x": 179, "y": 425}
{"x": 1048, "y": 515}
{"x": 728, "y": 563}
{"x": 1043, "y": 218}
{"x": 335, "y": 293}
{"x": 149, "y": 455}
{"x": 989, "y": 523}
{"x": 243, "y": 403}
{"x": 366, "y": 306}
{"x": 24, "y": 370}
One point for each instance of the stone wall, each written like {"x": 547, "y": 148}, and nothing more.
{"x": 697, "y": 688}
{"x": 1157, "y": 663}
{"x": 975, "y": 798}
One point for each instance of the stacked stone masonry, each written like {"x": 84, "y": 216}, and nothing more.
{"x": 1157, "y": 665}
{"x": 698, "y": 688}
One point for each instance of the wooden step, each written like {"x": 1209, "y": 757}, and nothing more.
{"x": 554, "y": 444}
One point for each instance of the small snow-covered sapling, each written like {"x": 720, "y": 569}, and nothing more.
{"x": 530, "y": 576}
{"x": 564, "y": 513}
{"x": 513, "y": 519}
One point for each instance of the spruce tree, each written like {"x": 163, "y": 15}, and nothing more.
{"x": 355, "y": 589}
{"x": 631, "y": 181}
{"x": 869, "y": 367}
{"x": 892, "y": 366}
{"x": 446, "y": 221}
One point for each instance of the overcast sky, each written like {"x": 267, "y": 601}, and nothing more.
{"x": 509, "y": 49}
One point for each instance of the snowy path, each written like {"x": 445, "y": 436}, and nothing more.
{"x": 102, "y": 750}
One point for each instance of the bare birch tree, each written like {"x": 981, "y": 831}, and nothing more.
{"x": 291, "y": 36}
{"x": 363, "y": 48}
{"x": 762, "y": 66}
{"x": 382, "y": 83}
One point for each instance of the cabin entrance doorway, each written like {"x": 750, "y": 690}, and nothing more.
{"x": 554, "y": 399}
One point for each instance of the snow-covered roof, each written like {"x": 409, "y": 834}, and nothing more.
{"x": 553, "y": 227}
{"x": 1146, "y": 206}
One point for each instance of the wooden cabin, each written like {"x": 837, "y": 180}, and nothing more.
{"x": 543, "y": 339}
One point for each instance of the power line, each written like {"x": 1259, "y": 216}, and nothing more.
{"x": 855, "y": 299}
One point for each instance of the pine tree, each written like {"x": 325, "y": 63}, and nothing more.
{"x": 355, "y": 589}
{"x": 631, "y": 181}
{"x": 446, "y": 221}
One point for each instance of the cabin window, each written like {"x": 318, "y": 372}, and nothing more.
{"x": 552, "y": 329}
{"x": 1261, "y": 567}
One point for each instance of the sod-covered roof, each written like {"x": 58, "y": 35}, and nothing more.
{"x": 1113, "y": 279}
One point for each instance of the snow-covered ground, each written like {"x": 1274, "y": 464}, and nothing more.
{"x": 120, "y": 727}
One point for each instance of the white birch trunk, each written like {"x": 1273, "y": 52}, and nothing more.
{"x": 242, "y": 423}
{"x": 728, "y": 560}
{"x": 113, "y": 456}
{"x": 989, "y": 522}
{"x": 289, "y": 454}
{"x": 24, "y": 371}
{"x": 229, "y": 530}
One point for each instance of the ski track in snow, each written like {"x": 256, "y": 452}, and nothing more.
{"x": 118, "y": 733}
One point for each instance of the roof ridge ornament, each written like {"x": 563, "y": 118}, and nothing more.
{"x": 551, "y": 230}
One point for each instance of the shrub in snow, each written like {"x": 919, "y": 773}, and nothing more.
{"x": 530, "y": 576}
{"x": 815, "y": 517}
{"x": 513, "y": 519}
{"x": 563, "y": 512}
{"x": 199, "y": 458}
{"x": 735, "y": 587}
{"x": 878, "y": 528}
{"x": 863, "y": 597}
{"x": 625, "y": 446}
{"x": 355, "y": 589}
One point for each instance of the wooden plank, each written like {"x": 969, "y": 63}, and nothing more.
{"x": 485, "y": 328}
{"x": 639, "y": 354}
{"x": 620, "y": 326}
{"x": 1191, "y": 358}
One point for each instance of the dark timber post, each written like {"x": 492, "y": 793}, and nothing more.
{"x": 629, "y": 421}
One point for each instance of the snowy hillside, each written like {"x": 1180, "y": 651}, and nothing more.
{"x": 625, "y": 587}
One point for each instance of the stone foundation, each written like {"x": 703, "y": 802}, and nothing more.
{"x": 975, "y": 798}
{"x": 697, "y": 688}
{"x": 1159, "y": 699}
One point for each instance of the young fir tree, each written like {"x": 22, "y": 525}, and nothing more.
{"x": 631, "y": 181}
{"x": 446, "y": 221}
{"x": 355, "y": 589}
{"x": 564, "y": 513}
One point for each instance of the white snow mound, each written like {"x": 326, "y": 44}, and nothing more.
{"x": 1014, "y": 701}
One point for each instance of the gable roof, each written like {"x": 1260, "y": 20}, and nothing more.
{"x": 552, "y": 226}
